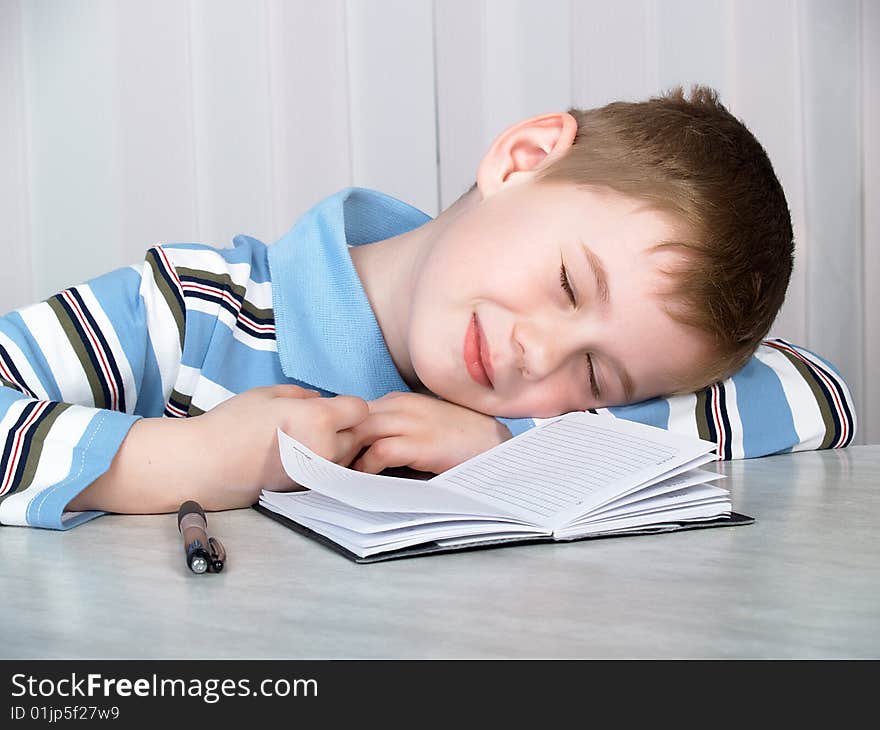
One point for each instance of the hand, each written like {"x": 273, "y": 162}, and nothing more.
{"x": 241, "y": 432}
{"x": 224, "y": 457}
{"x": 423, "y": 433}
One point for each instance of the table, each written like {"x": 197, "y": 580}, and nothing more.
{"x": 803, "y": 581}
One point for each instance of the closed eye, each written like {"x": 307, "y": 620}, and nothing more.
{"x": 567, "y": 288}
{"x": 566, "y": 285}
{"x": 594, "y": 386}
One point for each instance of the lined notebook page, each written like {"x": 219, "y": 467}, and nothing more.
{"x": 570, "y": 466}
{"x": 321, "y": 507}
{"x": 374, "y": 492}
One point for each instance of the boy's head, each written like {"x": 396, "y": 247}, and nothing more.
{"x": 695, "y": 161}
{"x": 663, "y": 220}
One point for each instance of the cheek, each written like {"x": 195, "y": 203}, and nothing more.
{"x": 547, "y": 400}
{"x": 425, "y": 344}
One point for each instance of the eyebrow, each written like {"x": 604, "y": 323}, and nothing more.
{"x": 595, "y": 265}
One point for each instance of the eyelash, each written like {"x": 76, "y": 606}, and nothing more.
{"x": 566, "y": 287}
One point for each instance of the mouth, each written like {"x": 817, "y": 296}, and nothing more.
{"x": 476, "y": 354}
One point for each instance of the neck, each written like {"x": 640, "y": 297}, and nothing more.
{"x": 388, "y": 271}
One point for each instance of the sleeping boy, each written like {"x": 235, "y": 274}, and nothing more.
{"x": 629, "y": 258}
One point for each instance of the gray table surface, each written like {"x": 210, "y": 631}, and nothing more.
{"x": 803, "y": 581}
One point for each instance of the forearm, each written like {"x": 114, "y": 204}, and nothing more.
{"x": 161, "y": 463}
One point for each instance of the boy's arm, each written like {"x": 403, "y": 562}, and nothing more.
{"x": 158, "y": 466}
{"x": 163, "y": 462}
{"x": 784, "y": 399}
{"x": 76, "y": 372}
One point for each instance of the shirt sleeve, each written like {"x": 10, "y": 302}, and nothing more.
{"x": 785, "y": 399}
{"x": 516, "y": 426}
{"x": 76, "y": 371}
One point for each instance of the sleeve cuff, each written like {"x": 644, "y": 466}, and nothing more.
{"x": 517, "y": 425}
{"x": 90, "y": 457}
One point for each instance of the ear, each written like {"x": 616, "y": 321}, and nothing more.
{"x": 526, "y": 147}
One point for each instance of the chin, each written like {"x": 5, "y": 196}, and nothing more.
{"x": 439, "y": 375}
{"x": 431, "y": 371}
{"x": 436, "y": 387}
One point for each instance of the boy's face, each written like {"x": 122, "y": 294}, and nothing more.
{"x": 499, "y": 264}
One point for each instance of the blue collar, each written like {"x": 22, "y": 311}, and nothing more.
{"x": 326, "y": 331}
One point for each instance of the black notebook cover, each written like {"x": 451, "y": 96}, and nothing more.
{"x": 432, "y": 548}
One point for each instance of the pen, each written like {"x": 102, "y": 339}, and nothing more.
{"x": 202, "y": 553}
{"x": 218, "y": 555}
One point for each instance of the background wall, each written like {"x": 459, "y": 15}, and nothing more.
{"x": 128, "y": 123}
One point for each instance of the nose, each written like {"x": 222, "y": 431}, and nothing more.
{"x": 540, "y": 348}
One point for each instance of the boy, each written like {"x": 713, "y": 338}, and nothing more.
{"x": 601, "y": 259}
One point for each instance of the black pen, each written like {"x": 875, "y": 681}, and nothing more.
{"x": 203, "y": 553}
{"x": 218, "y": 555}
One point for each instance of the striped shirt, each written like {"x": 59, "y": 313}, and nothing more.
{"x": 194, "y": 325}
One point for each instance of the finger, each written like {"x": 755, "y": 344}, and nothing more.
{"x": 316, "y": 431}
{"x": 290, "y": 390}
{"x": 381, "y": 425}
{"x": 382, "y": 454}
{"x": 344, "y": 411}
{"x": 345, "y": 448}
{"x": 290, "y": 486}
{"x": 389, "y": 402}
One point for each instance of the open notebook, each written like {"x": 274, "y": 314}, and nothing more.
{"x": 577, "y": 476}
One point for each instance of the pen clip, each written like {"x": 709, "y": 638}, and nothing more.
{"x": 217, "y": 555}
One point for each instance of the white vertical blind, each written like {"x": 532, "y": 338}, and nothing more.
{"x": 832, "y": 157}
{"x": 462, "y": 135}
{"x": 232, "y": 122}
{"x": 614, "y": 51}
{"x": 311, "y": 148}
{"x": 157, "y": 162}
{"x": 869, "y": 96}
{"x": 391, "y": 96}
{"x": 69, "y": 60}
{"x": 526, "y": 63}
{"x": 16, "y": 284}
{"x": 129, "y": 123}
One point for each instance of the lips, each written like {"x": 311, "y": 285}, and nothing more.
{"x": 485, "y": 357}
{"x": 476, "y": 354}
